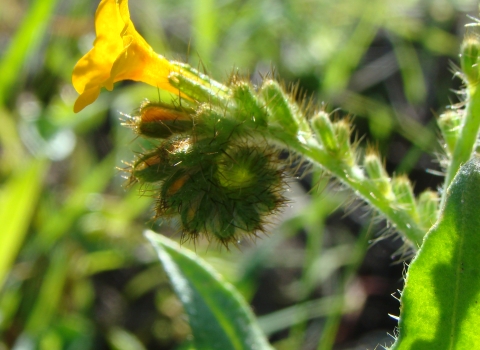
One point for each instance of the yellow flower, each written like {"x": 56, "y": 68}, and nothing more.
{"x": 119, "y": 53}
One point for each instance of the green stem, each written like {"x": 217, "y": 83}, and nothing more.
{"x": 353, "y": 177}
{"x": 467, "y": 139}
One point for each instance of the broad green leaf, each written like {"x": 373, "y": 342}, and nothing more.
{"x": 219, "y": 316}
{"x": 440, "y": 305}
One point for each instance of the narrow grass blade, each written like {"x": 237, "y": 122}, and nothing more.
{"x": 18, "y": 199}
{"x": 27, "y": 39}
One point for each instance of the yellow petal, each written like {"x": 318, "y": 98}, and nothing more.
{"x": 87, "y": 97}
{"x": 140, "y": 63}
{"x": 119, "y": 53}
{"x": 94, "y": 68}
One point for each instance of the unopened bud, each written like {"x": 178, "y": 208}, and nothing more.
{"x": 428, "y": 208}
{"x": 279, "y": 106}
{"x": 198, "y": 89}
{"x": 150, "y": 167}
{"x": 342, "y": 132}
{"x": 323, "y": 128}
{"x": 377, "y": 173}
{"x": 248, "y": 106}
{"x": 160, "y": 120}
{"x": 449, "y": 123}
{"x": 200, "y": 77}
{"x": 403, "y": 192}
{"x": 469, "y": 53}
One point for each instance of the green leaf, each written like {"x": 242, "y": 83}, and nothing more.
{"x": 219, "y": 316}
{"x": 440, "y": 305}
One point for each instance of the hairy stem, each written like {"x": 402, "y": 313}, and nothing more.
{"x": 353, "y": 177}
{"x": 467, "y": 138}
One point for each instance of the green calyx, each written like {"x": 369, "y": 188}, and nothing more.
{"x": 225, "y": 195}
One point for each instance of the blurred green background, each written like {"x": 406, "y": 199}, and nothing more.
{"x": 75, "y": 270}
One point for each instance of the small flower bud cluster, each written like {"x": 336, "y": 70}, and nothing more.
{"x": 211, "y": 174}
{"x": 397, "y": 192}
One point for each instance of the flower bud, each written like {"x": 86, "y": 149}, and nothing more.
{"x": 449, "y": 123}
{"x": 403, "y": 192}
{"x": 279, "y": 107}
{"x": 323, "y": 128}
{"x": 198, "y": 90}
{"x": 202, "y": 78}
{"x": 428, "y": 208}
{"x": 342, "y": 133}
{"x": 377, "y": 173}
{"x": 150, "y": 167}
{"x": 248, "y": 107}
{"x": 160, "y": 120}
{"x": 173, "y": 154}
{"x": 469, "y": 54}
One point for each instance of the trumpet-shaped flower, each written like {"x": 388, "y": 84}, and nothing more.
{"x": 119, "y": 53}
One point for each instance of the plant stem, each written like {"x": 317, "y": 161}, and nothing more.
{"x": 467, "y": 139}
{"x": 353, "y": 177}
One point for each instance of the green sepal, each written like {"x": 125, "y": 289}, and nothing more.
{"x": 252, "y": 179}
{"x": 198, "y": 90}
{"x": 279, "y": 106}
{"x": 219, "y": 129}
{"x": 374, "y": 167}
{"x": 186, "y": 152}
{"x": 342, "y": 133}
{"x": 469, "y": 55}
{"x": 377, "y": 173}
{"x": 223, "y": 195}
{"x": 323, "y": 128}
{"x": 449, "y": 123}
{"x": 202, "y": 78}
{"x": 248, "y": 106}
{"x": 402, "y": 189}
